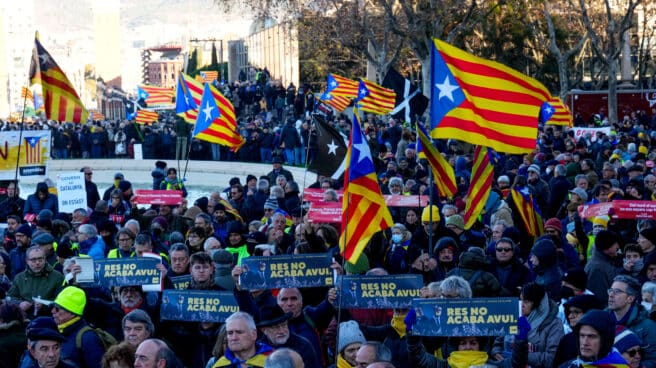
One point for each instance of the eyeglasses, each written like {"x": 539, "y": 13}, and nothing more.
{"x": 504, "y": 250}
{"x": 615, "y": 291}
{"x": 633, "y": 352}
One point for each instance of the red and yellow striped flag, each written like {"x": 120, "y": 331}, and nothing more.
{"x": 480, "y": 185}
{"x": 26, "y": 94}
{"x": 443, "y": 174}
{"x": 209, "y": 76}
{"x": 364, "y": 212}
{"x": 375, "y": 98}
{"x": 483, "y": 102}
{"x": 61, "y": 101}
{"x": 528, "y": 210}
{"x": 154, "y": 95}
{"x": 339, "y": 103}
{"x": 561, "y": 114}
{"x": 146, "y": 116}
{"x": 340, "y": 86}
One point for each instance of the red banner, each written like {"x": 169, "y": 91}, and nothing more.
{"x": 158, "y": 197}
{"x": 620, "y": 209}
{"x": 314, "y": 195}
{"x": 325, "y": 212}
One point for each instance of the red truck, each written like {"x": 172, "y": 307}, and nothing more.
{"x": 588, "y": 103}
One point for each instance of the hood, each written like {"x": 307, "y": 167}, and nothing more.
{"x": 472, "y": 260}
{"x": 545, "y": 250}
{"x": 604, "y": 324}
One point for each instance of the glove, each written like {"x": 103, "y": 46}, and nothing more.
{"x": 410, "y": 320}
{"x": 524, "y": 327}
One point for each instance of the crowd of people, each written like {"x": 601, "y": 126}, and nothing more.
{"x": 586, "y": 285}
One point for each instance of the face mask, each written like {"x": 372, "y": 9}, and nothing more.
{"x": 396, "y": 238}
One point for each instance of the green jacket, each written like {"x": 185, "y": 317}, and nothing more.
{"x": 28, "y": 284}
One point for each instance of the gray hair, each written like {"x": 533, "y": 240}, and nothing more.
{"x": 133, "y": 222}
{"x": 88, "y": 230}
{"x": 276, "y": 192}
{"x": 395, "y": 180}
{"x": 244, "y": 316}
{"x": 457, "y": 283}
{"x": 333, "y": 194}
{"x": 580, "y": 177}
{"x": 208, "y": 242}
{"x": 281, "y": 358}
{"x": 400, "y": 227}
{"x": 140, "y": 316}
{"x": 561, "y": 170}
{"x": 82, "y": 212}
{"x": 382, "y": 352}
{"x": 632, "y": 285}
{"x": 449, "y": 207}
{"x": 649, "y": 287}
{"x": 32, "y": 249}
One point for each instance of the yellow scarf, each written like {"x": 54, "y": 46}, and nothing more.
{"x": 342, "y": 363}
{"x": 398, "y": 325}
{"x": 66, "y": 324}
{"x": 465, "y": 359}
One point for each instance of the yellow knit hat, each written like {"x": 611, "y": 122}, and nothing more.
{"x": 600, "y": 221}
{"x": 426, "y": 214}
{"x": 72, "y": 299}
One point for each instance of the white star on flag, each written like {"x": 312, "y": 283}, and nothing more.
{"x": 446, "y": 89}
{"x": 332, "y": 147}
{"x": 208, "y": 111}
{"x": 363, "y": 151}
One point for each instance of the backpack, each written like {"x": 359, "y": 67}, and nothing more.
{"x": 105, "y": 337}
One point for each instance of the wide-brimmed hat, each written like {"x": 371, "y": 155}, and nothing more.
{"x": 272, "y": 315}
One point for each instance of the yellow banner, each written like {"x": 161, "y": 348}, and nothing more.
{"x": 34, "y": 147}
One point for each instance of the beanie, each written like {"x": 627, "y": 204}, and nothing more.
{"x": 426, "y": 213}
{"x": 124, "y": 185}
{"x": 44, "y": 328}
{"x": 271, "y": 204}
{"x": 625, "y": 339}
{"x": 643, "y": 150}
{"x": 161, "y": 221}
{"x": 545, "y": 250}
{"x": 576, "y": 277}
{"x": 72, "y": 299}
{"x": 25, "y": 229}
{"x": 649, "y": 234}
{"x": 605, "y": 239}
{"x": 584, "y": 302}
{"x": 349, "y": 333}
{"x": 360, "y": 267}
{"x": 581, "y": 193}
{"x": 555, "y": 224}
{"x": 600, "y": 221}
{"x": 457, "y": 221}
{"x": 534, "y": 168}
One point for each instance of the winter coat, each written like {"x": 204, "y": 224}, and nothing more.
{"x": 546, "y": 332}
{"x": 28, "y": 284}
{"x": 90, "y": 355}
{"x": 302, "y": 346}
{"x": 470, "y": 263}
{"x": 640, "y": 324}
{"x": 512, "y": 276}
{"x": 601, "y": 271}
{"x": 34, "y": 205}
{"x": 12, "y": 343}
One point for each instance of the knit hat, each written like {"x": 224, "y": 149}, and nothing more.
{"x": 119, "y": 175}
{"x": 72, "y": 299}
{"x": 202, "y": 203}
{"x": 234, "y": 227}
{"x": 360, "y": 267}
{"x": 649, "y": 234}
{"x": 426, "y": 213}
{"x": 503, "y": 179}
{"x": 581, "y": 193}
{"x": 625, "y": 339}
{"x": 600, "y": 221}
{"x": 457, "y": 221}
{"x": 44, "y": 328}
{"x": 533, "y": 292}
{"x": 43, "y": 239}
{"x": 222, "y": 258}
{"x": 161, "y": 221}
{"x": 643, "y": 150}
{"x": 446, "y": 242}
{"x": 191, "y": 212}
{"x": 25, "y": 229}
{"x": 555, "y": 224}
{"x": 534, "y": 168}
{"x": 271, "y": 204}
{"x": 604, "y": 324}
{"x": 605, "y": 239}
{"x": 584, "y": 302}
{"x": 124, "y": 185}
{"x": 250, "y": 177}
{"x": 545, "y": 250}
{"x": 576, "y": 277}
{"x": 45, "y": 214}
{"x": 349, "y": 333}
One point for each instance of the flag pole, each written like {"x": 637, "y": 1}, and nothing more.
{"x": 20, "y": 138}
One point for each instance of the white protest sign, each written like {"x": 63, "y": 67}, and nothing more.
{"x": 580, "y": 132}
{"x": 138, "y": 152}
{"x": 71, "y": 192}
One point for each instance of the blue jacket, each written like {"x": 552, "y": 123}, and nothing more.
{"x": 34, "y": 205}
{"x": 90, "y": 356}
{"x": 93, "y": 247}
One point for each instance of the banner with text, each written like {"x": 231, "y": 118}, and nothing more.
{"x": 197, "y": 305}
{"x": 325, "y": 212}
{"x": 71, "y": 192}
{"x": 273, "y": 272}
{"x": 466, "y": 317}
{"x": 158, "y": 197}
{"x": 580, "y": 132}
{"x": 142, "y": 271}
{"x": 34, "y": 146}
{"x": 315, "y": 196}
{"x": 378, "y": 292}
{"x": 620, "y": 209}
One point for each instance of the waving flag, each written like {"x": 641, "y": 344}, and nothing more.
{"x": 364, "y": 211}
{"x": 209, "y": 76}
{"x": 340, "y": 86}
{"x": 443, "y": 175}
{"x": 26, "y": 93}
{"x": 195, "y": 90}
{"x": 483, "y": 102}
{"x": 61, "y": 101}
{"x": 528, "y": 210}
{"x": 339, "y": 103}
{"x": 185, "y": 105}
{"x": 410, "y": 102}
{"x": 331, "y": 150}
{"x": 555, "y": 112}
{"x": 612, "y": 360}
{"x": 146, "y": 116}
{"x": 480, "y": 185}
{"x": 374, "y": 98}
{"x": 155, "y": 96}
{"x": 211, "y": 125}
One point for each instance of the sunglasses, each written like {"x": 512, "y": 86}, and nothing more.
{"x": 633, "y": 352}
{"x": 503, "y": 250}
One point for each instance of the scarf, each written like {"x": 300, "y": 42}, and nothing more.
{"x": 465, "y": 359}
{"x": 63, "y": 326}
{"x": 398, "y": 325}
{"x": 342, "y": 363}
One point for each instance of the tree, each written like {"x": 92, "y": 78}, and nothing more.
{"x": 193, "y": 62}
{"x": 607, "y": 39}
{"x": 215, "y": 62}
